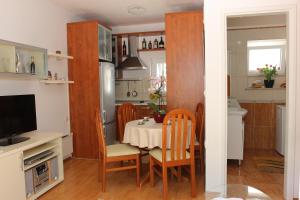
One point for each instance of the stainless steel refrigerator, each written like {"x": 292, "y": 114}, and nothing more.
{"x": 107, "y": 100}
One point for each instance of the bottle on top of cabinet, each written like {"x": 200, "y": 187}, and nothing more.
{"x": 150, "y": 45}
{"x": 155, "y": 44}
{"x": 124, "y": 49}
{"x": 161, "y": 43}
{"x": 144, "y": 44}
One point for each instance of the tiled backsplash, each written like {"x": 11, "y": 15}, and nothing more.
{"x": 151, "y": 59}
{"x": 141, "y": 87}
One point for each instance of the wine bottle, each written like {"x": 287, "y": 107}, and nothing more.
{"x": 150, "y": 45}
{"x": 124, "y": 49}
{"x": 161, "y": 43}
{"x": 32, "y": 66}
{"x": 144, "y": 44}
{"x": 155, "y": 44}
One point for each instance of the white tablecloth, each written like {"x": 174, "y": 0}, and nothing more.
{"x": 148, "y": 135}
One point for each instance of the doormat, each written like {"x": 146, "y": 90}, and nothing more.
{"x": 270, "y": 164}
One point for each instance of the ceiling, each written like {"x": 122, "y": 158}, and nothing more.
{"x": 115, "y": 12}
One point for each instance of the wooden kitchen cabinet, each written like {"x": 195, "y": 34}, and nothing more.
{"x": 84, "y": 45}
{"x": 185, "y": 59}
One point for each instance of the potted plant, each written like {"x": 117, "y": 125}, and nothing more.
{"x": 269, "y": 72}
{"x": 156, "y": 96}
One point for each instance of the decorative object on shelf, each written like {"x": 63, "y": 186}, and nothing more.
{"x": 155, "y": 44}
{"x": 124, "y": 49}
{"x": 58, "y": 52}
{"x": 283, "y": 85}
{"x": 32, "y": 65}
{"x": 269, "y": 72}
{"x": 144, "y": 44}
{"x": 156, "y": 95}
{"x": 49, "y": 75}
{"x": 18, "y": 63}
{"x": 257, "y": 84}
{"x": 161, "y": 43}
{"x": 150, "y": 45}
{"x": 55, "y": 76}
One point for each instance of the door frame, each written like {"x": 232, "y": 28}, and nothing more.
{"x": 291, "y": 91}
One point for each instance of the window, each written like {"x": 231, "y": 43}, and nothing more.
{"x": 159, "y": 69}
{"x": 262, "y": 52}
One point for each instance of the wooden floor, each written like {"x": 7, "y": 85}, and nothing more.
{"x": 270, "y": 183}
{"x": 81, "y": 182}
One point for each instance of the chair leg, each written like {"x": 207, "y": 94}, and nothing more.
{"x": 99, "y": 169}
{"x": 193, "y": 179}
{"x": 103, "y": 176}
{"x": 179, "y": 176}
{"x": 165, "y": 182}
{"x": 137, "y": 161}
{"x": 151, "y": 171}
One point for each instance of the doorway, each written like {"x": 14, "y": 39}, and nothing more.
{"x": 257, "y": 63}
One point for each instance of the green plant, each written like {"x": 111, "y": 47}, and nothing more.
{"x": 156, "y": 94}
{"x": 269, "y": 71}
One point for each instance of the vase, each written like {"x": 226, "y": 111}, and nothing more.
{"x": 269, "y": 83}
{"x": 159, "y": 118}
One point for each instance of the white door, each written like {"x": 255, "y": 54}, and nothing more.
{"x": 12, "y": 179}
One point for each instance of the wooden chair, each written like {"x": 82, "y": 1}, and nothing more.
{"x": 177, "y": 155}
{"x": 126, "y": 113}
{"x": 199, "y": 144}
{"x": 115, "y": 153}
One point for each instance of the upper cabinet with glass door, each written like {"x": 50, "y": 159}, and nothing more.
{"x": 105, "y": 43}
{"x": 22, "y": 59}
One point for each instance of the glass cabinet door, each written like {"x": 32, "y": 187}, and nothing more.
{"x": 105, "y": 43}
{"x": 7, "y": 58}
{"x": 108, "y": 45}
{"x": 102, "y": 43}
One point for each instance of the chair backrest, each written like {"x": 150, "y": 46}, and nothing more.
{"x": 200, "y": 123}
{"x": 126, "y": 113}
{"x": 180, "y": 124}
{"x": 100, "y": 134}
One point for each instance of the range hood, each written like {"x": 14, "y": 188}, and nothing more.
{"x": 133, "y": 61}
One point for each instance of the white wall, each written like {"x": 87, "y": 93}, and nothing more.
{"x": 215, "y": 91}
{"x": 138, "y": 28}
{"x": 42, "y": 24}
{"x": 237, "y": 50}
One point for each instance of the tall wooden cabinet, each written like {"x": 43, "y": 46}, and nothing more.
{"x": 85, "y": 40}
{"x": 185, "y": 59}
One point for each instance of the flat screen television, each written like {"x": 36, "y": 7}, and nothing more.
{"x": 17, "y": 116}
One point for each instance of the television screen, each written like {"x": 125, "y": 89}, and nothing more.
{"x": 17, "y": 115}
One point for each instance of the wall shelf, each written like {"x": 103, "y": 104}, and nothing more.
{"x": 123, "y": 79}
{"x": 60, "y": 56}
{"x": 147, "y": 50}
{"x": 56, "y": 82}
{"x": 140, "y": 34}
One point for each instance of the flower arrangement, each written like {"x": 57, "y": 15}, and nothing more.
{"x": 269, "y": 71}
{"x": 156, "y": 95}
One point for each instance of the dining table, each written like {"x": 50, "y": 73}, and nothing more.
{"x": 148, "y": 134}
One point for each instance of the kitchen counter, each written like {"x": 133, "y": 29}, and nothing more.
{"x": 137, "y": 103}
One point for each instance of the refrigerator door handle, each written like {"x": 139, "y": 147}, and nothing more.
{"x": 104, "y": 116}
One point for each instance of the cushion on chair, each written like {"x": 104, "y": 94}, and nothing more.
{"x": 157, "y": 154}
{"x": 121, "y": 150}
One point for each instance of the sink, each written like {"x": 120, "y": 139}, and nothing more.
{"x": 235, "y": 108}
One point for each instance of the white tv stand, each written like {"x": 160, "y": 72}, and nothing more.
{"x": 12, "y": 167}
